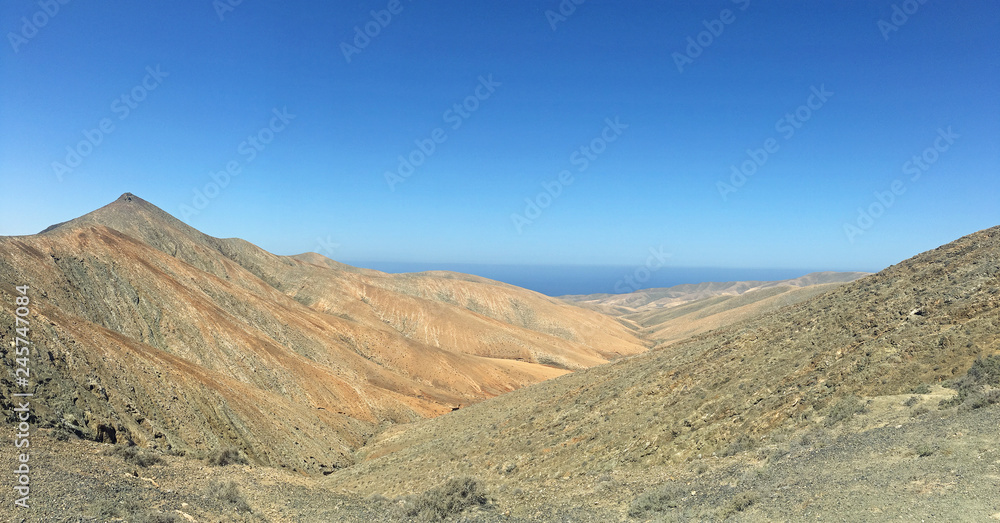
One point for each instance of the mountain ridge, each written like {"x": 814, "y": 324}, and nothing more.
{"x": 780, "y": 399}
{"x": 349, "y": 351}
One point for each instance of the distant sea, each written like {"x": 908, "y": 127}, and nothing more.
{"x": 559, "y": 280}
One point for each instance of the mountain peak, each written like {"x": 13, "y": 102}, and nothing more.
{"x": 131, "y": 200}
{"x": 126, "y": 214}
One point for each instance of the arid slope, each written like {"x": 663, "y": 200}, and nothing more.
{"x": 654, "y": 416}
{"x": 147, "y": 330}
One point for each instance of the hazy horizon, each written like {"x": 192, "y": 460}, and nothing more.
{"x": 561, "y": 280}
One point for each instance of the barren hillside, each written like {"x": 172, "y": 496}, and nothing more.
{"x": 877, "y": 399}
{"x": 148, "y": 331}
{"x": 600, "y": 437}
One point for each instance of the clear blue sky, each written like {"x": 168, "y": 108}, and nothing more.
{"x": 543, "y": 94}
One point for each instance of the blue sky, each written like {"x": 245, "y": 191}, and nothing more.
{"x": 166, "y": 93}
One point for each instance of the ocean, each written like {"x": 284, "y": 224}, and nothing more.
{"x": 560, "y": 280}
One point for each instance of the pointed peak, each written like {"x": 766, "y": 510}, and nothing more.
{"x": 127, "y": 213}
{"x": 129, "y": 198}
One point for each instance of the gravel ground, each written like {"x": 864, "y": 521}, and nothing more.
{"x": 943, "y": 465}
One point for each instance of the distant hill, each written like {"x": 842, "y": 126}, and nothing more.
{"x": 646, "y": 299}
{"x": 827, "y": 408}
{"x": 675, "y": 313}
{"x": 149, "y": 331}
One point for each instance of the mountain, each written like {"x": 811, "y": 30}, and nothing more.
{"x": 675, "y": 313}
{"x": 146, "y": 330}
{"x": 823, "y": 399}
{"x": 845, "y": 386}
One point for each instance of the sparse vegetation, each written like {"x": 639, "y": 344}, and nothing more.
{"x": 454, "y": 497}
{"x": 130, "y": 510}
{"x": 161, "y": 518}
{"x": 923, "y": 450}
{"x": 134, "y": 455}
{"x": 63, "y": 433}
{"x": 229, "y": 493}
{"x": 742, "y": 443}
{"x": 738, "y": 503}
{"x": 659, "y": 500}
{"x": 979, "y": 386}
{"x": 922, "y": 389}
{"x": 226, "y": 456}
{"x": 109, "y": 509}
{"x": 978, "y": 400}
{"x": 843, "y": 410}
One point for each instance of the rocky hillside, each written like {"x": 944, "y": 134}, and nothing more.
{"x": 879, "y": 399}
{"x": 598, "y": 439}
{"x": 145, "y": 330}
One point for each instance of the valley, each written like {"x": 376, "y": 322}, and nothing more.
{"x": 320, "y": 390}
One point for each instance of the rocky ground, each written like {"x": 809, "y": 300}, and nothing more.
{"x": 899, "y": 459}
